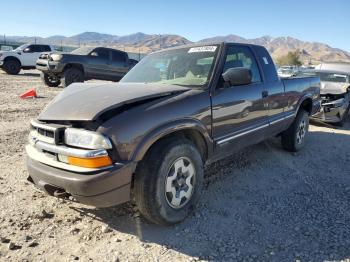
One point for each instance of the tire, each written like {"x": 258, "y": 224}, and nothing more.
{"x": 12, "y": 67}
{"x": 49, "y": 80}
{"x": 72, "y": 75}
{"x": 293, "y": 139}
{"x": 156, "y": 178}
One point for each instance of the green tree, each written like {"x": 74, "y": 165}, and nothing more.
{"x": 292, "y": 58}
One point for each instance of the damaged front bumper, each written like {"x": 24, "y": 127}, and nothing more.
{"x": 49, "y": 67}
{"x": 49, "y": 171}
{"x": 100, "y": 188}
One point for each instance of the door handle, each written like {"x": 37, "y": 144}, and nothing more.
{"x": 265, "y": 94}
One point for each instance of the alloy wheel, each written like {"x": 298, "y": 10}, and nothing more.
{"x": 179, "y": 184}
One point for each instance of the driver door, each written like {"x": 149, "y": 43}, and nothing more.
{"x": 98, "y": 64}
{"x": 240, "y": 116}
{"x": 30, "y": 54}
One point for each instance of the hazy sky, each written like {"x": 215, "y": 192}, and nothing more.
{"x": 310, "y": 20}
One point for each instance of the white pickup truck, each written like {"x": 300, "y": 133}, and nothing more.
{"x": 23, "y": 57}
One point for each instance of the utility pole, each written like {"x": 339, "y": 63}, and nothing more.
{"x": 4, "y": 39}
{"x": 160, "y": 43}
{"x": 35, "y": 40}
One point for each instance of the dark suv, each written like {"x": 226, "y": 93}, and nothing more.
{"x": 82, "y": 64}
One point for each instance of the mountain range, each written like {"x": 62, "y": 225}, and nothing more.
{"x": 313, "y": 52}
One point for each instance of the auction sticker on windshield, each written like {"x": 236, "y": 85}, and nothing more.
{"x": 207, "y": 48}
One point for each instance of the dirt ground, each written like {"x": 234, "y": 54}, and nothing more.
{"x": 261, "y": 204}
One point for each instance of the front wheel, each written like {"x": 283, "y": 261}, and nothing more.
{"x": 293, "y": 139}
{"x": 50, "y": 80}
{"x": 72, "y": 75}
{"x": 12, "y": 67}
{"x": 168, "y": 181}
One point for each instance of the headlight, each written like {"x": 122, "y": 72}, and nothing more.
{"x": 86, "y": 139}
{"x": 56, "y": 57}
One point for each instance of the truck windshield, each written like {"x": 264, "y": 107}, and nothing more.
{"x": 82, "y": 50}
{"x": 185, "y": 67}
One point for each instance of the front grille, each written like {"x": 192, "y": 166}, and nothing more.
{"x": 49, "y": 133}
{"x": 45, "y": 132}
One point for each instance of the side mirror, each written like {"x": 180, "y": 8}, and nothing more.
{"x": 94, "y": 54}
{"x": 238, "y": 76}
{"x": 26, "y": 50}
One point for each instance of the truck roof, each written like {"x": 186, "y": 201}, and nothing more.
{"x": 204, "y": 44}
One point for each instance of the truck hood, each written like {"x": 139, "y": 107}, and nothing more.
{"x": 334, "y": 88}
{"x": 86, "y": 102}
{"x": 6, "y": 53}
{"x": 64, "y": 55}
{"x": 70, "y": 56}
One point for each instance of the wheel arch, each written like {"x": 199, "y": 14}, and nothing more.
{"x": 12, "y": 58}
{"x": 74, "y": 65}
{"x": 306, "y": 104}
{"x": 190, "y": 129}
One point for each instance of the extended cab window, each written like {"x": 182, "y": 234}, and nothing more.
{"x": 241, "y": 56}
{"x": 118, "y": 56}
{"x": 101, "y": 53}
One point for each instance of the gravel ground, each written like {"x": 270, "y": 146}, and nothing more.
{"x": 261, "y": 204}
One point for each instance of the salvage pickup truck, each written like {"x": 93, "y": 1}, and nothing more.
{"x": 82, "y": 64}
{"x": 152, "y": 133}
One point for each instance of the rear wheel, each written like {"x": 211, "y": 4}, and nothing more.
{"x": 72, "y": 75}
{"x": 50, "y": 81}
{"x": 168, "y": 182}
{"x": 293, "y": 139}
{"x": 12, "y": 67}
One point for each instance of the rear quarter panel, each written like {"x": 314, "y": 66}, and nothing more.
{"x": 299, "y": 89}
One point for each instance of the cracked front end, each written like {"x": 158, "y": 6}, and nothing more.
{"x": 333, "y": 108}
{"x": 66, "y": 161}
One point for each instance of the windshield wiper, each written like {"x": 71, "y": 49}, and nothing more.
{"x": 192, "y": 86}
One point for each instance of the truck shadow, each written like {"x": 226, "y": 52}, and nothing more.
{"x": 262, "y": 204}
{"x": 29, "y": 74}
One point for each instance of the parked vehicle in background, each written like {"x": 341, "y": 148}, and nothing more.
{"x": 151, "y": 133}
{"x": 82, "y": 64}
{"x": 23, "y": 57}
{"x": 6, "y": 48}
{"x": 335, "y": 92}
{"x": 287, "y": 71}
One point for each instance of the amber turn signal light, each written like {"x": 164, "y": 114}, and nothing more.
{"x": 94, "y": 162}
